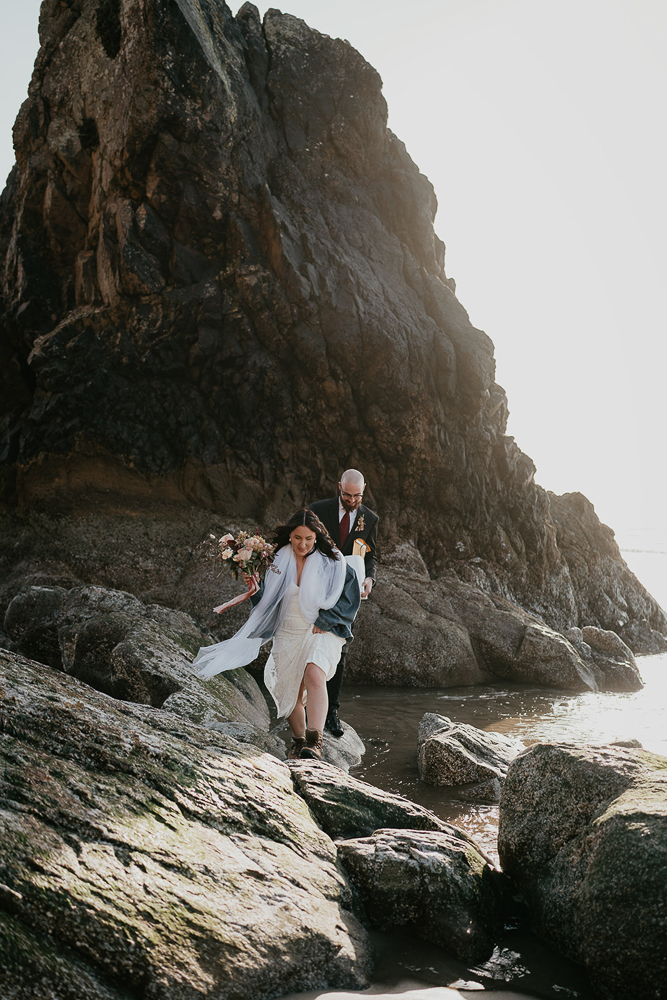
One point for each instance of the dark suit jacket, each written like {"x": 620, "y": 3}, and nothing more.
{"x": 365, "y": 526}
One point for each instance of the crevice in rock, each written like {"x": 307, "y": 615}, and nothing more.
{"x": 109, "y": 27}
{"x": 88, "y": 134}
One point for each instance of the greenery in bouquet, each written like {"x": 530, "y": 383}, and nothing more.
{"x": 247, "y": 553}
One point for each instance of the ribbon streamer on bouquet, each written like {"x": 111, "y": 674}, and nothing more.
{"x": 253, "y": 587}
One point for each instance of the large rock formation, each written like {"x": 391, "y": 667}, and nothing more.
{"x": 116, "y": 644}
{"x": 144, "y": 654}
{"x": 442, "y": 633}
{"x": 144, "y": 855}
{"x": 583, "y": 834}
{"x": 221, "y": 285}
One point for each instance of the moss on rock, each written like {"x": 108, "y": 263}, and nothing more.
{"x": 158, "y": 854}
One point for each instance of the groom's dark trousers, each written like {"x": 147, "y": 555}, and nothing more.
{"x": 365, "y": 526}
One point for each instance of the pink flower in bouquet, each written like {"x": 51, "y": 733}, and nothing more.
{"x": 251, "y": 555}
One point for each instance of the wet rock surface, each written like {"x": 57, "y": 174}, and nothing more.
{"x": 611, "y": 655}
{"x": 583, "y": 834}
{"x": 608, "y": 656}
{"x": 346, "y": 807}
{"x": 221, "y": 285}
{"x": 459, "y": 754}
{"x": 142, "y": 853}
{"x": 344, "y": 751}
{"x": 431, "y": 882}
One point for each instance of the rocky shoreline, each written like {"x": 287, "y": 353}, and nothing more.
{"x": 163, "y": 851}
{"x": 416, "y": 631}
{"x": 144, "y": 852}
{"x": 221, "y": 286}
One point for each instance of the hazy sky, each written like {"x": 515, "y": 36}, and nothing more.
{"x": 542, "y": 128}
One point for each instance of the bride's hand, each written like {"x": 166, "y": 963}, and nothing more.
{"x": 251, "y": 580}
{"x": 318, "y": 631}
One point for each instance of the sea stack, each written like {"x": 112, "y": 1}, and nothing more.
{"x": 221, "y": 285}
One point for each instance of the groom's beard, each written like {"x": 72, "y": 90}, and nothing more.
{"x": 350, "y": 505}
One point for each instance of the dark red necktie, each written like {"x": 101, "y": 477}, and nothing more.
{"x": 344, "y": 528}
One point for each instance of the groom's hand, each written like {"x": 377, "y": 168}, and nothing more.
{"x": 366, "y": 588}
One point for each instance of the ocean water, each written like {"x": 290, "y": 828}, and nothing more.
{"x": 387, "y": 719}
{"x": 645, "y": 552}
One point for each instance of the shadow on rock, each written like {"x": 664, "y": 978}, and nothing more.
{"x": 583, "y": 834}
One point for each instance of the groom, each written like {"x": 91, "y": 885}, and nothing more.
{"x": 346, "y": 519}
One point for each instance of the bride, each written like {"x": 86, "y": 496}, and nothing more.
{"x": 306, "y": 604}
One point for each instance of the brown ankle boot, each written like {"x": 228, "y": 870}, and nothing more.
{"x": 298, "y": 743}
{"x": 313, "y": 747}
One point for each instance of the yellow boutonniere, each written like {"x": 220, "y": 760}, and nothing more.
{"x": 359, "y": 525}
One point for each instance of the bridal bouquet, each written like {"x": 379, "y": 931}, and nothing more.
{"x": 249, "y": 554}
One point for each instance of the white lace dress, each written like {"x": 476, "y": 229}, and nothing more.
{"x": 294, "y": 646}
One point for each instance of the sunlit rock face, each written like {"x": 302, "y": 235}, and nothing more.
{"x": 221, "y": 285}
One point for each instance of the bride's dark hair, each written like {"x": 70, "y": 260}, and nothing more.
{"x": 305, "y": 518}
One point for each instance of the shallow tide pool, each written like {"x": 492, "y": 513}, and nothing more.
{"x": 387, "y": 719}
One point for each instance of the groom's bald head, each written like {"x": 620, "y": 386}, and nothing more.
{"x": 353, "y": 478}
{"x": 351, "y": 488}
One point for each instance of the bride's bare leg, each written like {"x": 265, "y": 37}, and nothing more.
{"x": 318, "y": 702}
{"x": 297, "y": 720}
